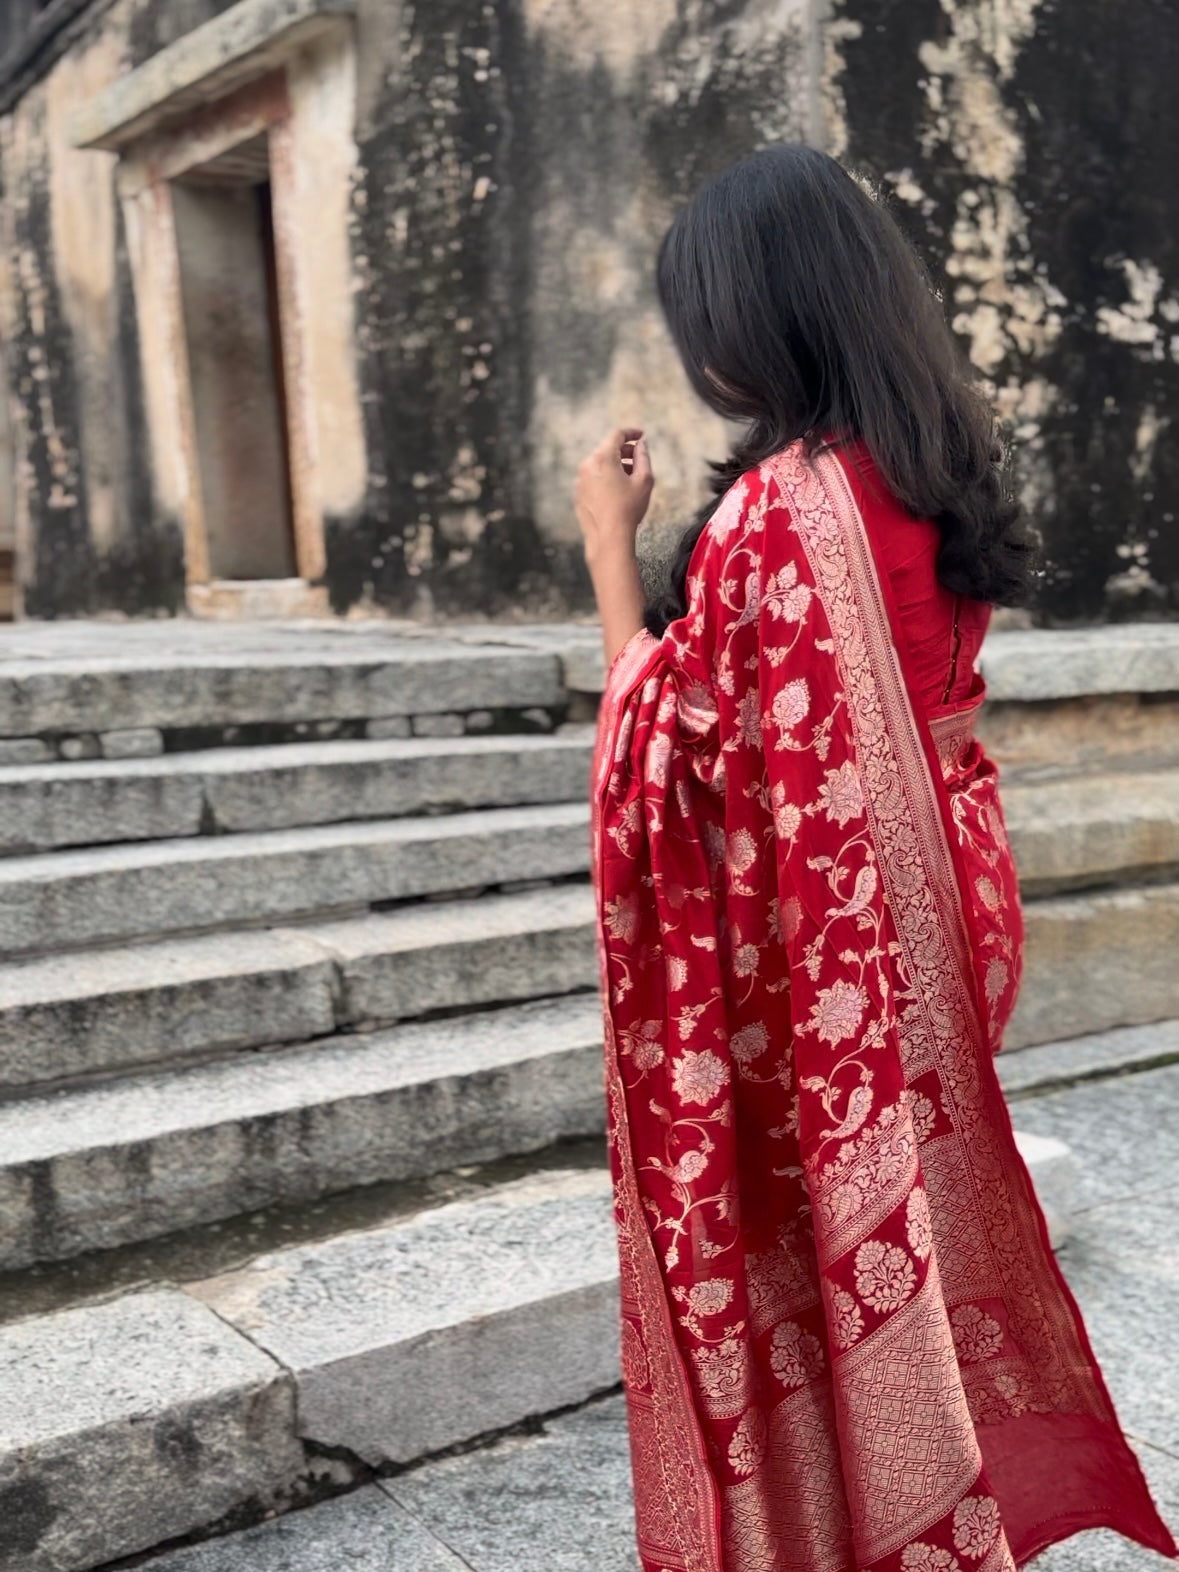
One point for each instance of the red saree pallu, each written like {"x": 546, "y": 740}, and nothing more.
{"x": 846, "y": 1343}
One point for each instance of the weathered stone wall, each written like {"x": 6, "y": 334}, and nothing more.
{"x": 517, "y": 162}
{"x": 1031, "y": 146}
{"x": 520, "y": 161}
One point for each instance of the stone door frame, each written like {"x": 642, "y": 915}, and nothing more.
{"x": 177, "y": 133}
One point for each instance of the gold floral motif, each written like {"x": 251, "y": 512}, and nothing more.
{"x": 699, "y": 1077}
{"x": 795, "y": 1355}
{"x": 722, "y": 1377}
{"x": 976, "y": 1525}
{"x": 919, "y": 1557}
{"x": 838, "y": 1012}
{"x": 747, "y": 1448}
{"x": 884, "y": 1275}
{"x": 846, "y": 1319}
{"x": 977, "y": 1335}
{"x": 918, "y": 1225}
{"x": 841, "y": 795}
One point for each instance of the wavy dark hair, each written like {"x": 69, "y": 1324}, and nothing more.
{"x": 799, "y": 309}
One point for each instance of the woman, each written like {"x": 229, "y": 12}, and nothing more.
{"x": 845, "y": 1341}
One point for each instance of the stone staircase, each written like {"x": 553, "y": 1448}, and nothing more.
{"x": 301, "y": 1172}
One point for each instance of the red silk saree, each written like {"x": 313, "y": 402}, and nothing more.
{"x": 846, "y": 1344}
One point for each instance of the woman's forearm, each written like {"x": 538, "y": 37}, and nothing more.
{"x": 619, "y": 592}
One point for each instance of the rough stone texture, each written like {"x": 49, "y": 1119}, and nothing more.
{"x": 557, "y": 1502}
{"x": 132, "y": 742}
{"x": 1128, "y": 1129}
{"x": 1025, "y": 1071}
{"x": 1054, "y": 1174}
{"x": 1092, "y": 829}
{"x": 124, "y": 1424}
{"x": 251, "y": 38}
{"x": 560, "y": 1501}
{"x": 281, "y": 787}
{"x": 464, "y": 953}
{"x": 407, "y": 1339}
{"x": 500, "y": 276}
{"x": 1022, "y": 666}
{"x": 85, "y": 804}
{"x": 68, "y": 1015}
{"x": 84, "y": 747}
{"x": 1104, "y": 732}
{"x": 1098, "y": 961}
{"x": 73, "y": 898}
{"x": 1029, "y": 664}
{"x": 24, "y": 750}
{"x": 1041, "y": 191}
{"x": 107, "y": 677}
{"x": 438, "y": 726}
{"x": 323, "y": 782}
{"x": 390, "y": 726}
{"x": 100, "y": 1165}
{"x": 364, "y": 1532}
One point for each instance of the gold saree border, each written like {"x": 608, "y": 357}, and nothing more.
{"x": 666, "y": 1437}
{"x": 918, "y": 867}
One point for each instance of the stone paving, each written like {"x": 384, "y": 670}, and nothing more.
{"x": 559, "y": 1500}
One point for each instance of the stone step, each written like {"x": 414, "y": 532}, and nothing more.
{"x": 95, "y": 802}
{"x": 94, "y": 678}
{"x": 128, "y": 1423}
{"x": 124, "y": 1424}
{"x": 96, "y": 1166}
{"x": 72, "y": 899}
{"x": 105, "y": 1011}
{"x": 1092, "y": 829}
{"x": 406, "y": 1339}
{"x": 1097, "y": 961}
{"x": 1029, "y": 1072}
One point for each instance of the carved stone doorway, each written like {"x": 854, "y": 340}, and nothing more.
{"x": 223, "y": 212}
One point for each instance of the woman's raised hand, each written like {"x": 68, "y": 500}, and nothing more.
{"x": 614, "y": 485}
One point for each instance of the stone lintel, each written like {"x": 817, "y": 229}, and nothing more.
{"x": 244, "y": 43}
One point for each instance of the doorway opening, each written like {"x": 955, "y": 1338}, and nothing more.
{"x": 224, "y": 224}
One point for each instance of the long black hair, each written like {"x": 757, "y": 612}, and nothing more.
{"x": 799, "y": 309}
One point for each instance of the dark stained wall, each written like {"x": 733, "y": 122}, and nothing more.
{"x": 1040, "y": 180}
{"x": 499, "y": 158}
{"x": 517, "y": 164}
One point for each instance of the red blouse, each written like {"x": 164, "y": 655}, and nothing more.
{"x": 943, "y": 631}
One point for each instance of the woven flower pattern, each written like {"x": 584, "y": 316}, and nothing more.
{"x": 920, "y": 1557}
{"x": 918, "y": 1225}
{"x": 884, "y": 1275}
{"x": 976, "y": 1334}
{"x": 795, "y": 1356}
{"x": 838, "y": 1011}
{"x": 976, "y": 1525}
{"x": 699, "y": 1077}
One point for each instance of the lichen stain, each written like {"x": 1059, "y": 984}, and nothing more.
{"x": 27, "y": 1513}
{"x": 83, "y": 232}
{"x": 1002, "y": 302}
{"x": 833, "y": 126}
{"x": 624, "y": 40}
{"x": 1133, "y": 322}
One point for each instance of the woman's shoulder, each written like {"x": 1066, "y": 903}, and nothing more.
{"x": 741, "y": 513}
